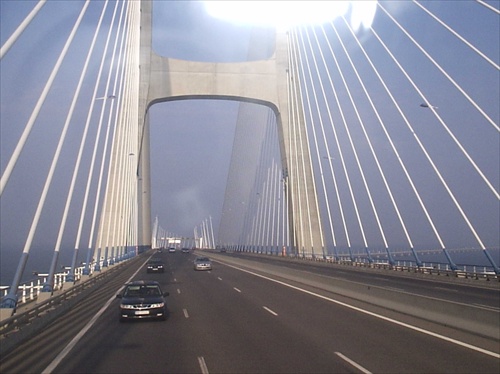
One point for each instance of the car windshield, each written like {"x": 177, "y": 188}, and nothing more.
{"x": 142, "y": 291}
{"x": 202, "y": 259}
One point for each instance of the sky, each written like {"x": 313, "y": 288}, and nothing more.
{"x": 192, "y": 141}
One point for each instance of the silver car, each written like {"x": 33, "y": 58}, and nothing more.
{"x": 202, "y": 263}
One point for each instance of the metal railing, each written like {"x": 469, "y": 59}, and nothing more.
{"x": 30, "y": 290}
{"x": 463, "y": 271}
{"x": 28, "y": 321}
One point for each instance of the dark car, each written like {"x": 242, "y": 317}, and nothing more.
{"x": 156, "y": 266}
{"x": 142, "y": 299}
{"x": 185, "y": 250}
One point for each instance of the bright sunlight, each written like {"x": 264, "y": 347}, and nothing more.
{"x": 284, "y": 14}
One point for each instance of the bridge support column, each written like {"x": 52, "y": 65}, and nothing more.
{"x": 264, "y": 82}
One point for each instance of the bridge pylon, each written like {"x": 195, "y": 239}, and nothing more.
{"x": 268, "y": 82}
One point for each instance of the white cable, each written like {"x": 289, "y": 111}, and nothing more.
{"x": 355, "y": 151}
{"x": 488, "y": 6}
{"x": 490, "y": 61}
{"x": 329, "y": 214}
{"x": 374, "y": 154}
{"x": 360, "y": 222}
{"x": 20, "y": 29}
{"x": 327, "y": 147}
{"x": 445, "y": 185}
{"x": 48, "y": 180}
{"x": 103, "y": 159}
{"x": 452, "y": 81}
{"x": 29, "y": 126}
{"x": 115, "y": 167}
{"x": 76, "y": 169}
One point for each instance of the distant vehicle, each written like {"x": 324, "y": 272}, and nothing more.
{"x": 222, "y": 249}
{"x": 142, "y": 299}
{"x": 185, "y": 250}
{"x": 156, "y": 265}
{"x": 160, "y": 250}
{"x": 202, "y": 263}
{"x": 171, "y": 250}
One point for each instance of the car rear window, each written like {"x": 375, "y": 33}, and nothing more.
{"x": 137, "y": 291}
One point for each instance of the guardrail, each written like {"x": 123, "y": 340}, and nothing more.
{"x": 464, "y": 271}
{"x": 30, "y": 290}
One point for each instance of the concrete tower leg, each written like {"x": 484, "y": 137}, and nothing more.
{"x": 144, "y": 191}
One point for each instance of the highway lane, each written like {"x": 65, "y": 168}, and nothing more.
{"x": 458, "y": 312}
{"x": 207, "y": 326}
{"x": 232, "y": 321}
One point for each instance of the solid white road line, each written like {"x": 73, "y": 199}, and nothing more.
{"x": 203, "y": 365}
{"x": 356, "y": 365}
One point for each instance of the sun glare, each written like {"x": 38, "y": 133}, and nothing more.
{"x": 284, "y": 14}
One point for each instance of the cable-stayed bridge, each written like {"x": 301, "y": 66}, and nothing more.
{"x": 372, "y": 138}
{"x": 395, "y": 170}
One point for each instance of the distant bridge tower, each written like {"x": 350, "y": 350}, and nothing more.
{"x": 264, "y": 82}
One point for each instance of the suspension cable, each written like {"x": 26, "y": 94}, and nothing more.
{"x": 20, "y": 29}
{"x": 489, "y": 60}
{"x": 34, "y": 115}
{"x": 452, "y": 81}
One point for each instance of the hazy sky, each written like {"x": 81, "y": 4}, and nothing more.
{"x": 191, "y": 141}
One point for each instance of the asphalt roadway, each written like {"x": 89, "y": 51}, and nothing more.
{"x": 237, "y": 320}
